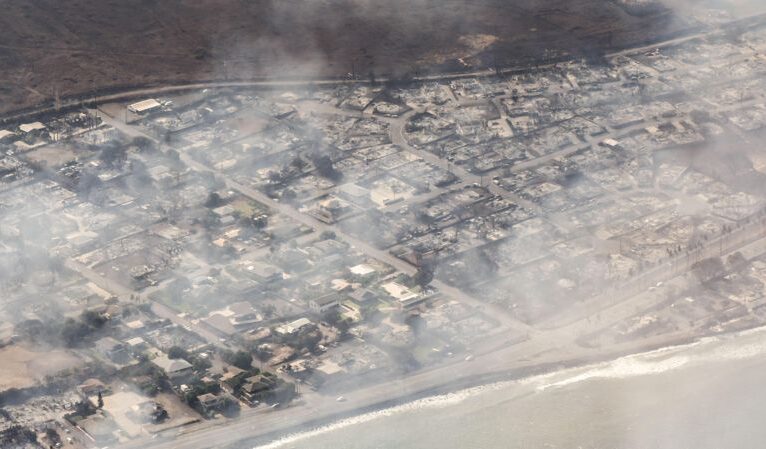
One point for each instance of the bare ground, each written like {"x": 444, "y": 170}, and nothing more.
{"x": 76, "y": 47}
{"x": 22, "y": 367}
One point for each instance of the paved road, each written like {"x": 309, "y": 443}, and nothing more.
{"x": 495, "y": 357}
{"x": 559, "y": 335}
{"x": 543, "y": 348}
{"x": 553, "y": 346}
{"x": 270, "y": 83}
{"x": 549, "y": 346}
{"x": 123, "y": 291}
{"x": 318, "y": 226}
{"x": 358, "y": 244}
{"x": 670, "y": 269}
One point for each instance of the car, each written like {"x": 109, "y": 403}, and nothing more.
{"x": 340, "y": 399}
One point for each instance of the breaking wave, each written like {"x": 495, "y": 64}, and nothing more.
{"x": 742, "y": 345}
{"x": 738, "y": 346}
{"x": 432, "y": 402}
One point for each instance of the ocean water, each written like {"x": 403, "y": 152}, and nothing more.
{"x": 711, "y": 394}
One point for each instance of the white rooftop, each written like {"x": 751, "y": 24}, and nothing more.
{"x": 362, "y": 269}
{"x": 137, "y": 324}
{"x": 29, "y": 127}
{"x": 293, "y": 327}
{"x": 399, "y": 291}
{"x": 135, "y": 341}
{"x": 171, "y": 365}
{"x": 145, "y": 105}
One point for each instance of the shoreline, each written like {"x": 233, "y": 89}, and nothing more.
{"x": 474, "y": 382}
{"x": 504, "y": 364}
{"x": 508, "y": 363}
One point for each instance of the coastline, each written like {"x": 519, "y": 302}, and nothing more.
{"x": 466, "y": 385}
{"x": 543, "y": 358}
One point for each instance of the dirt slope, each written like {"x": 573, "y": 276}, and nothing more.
{"x": 76, "y": 46}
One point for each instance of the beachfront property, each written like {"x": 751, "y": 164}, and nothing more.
{"x": 247, "y": 241}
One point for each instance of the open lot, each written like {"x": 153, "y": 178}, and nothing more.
{"x": 22, "y": 367}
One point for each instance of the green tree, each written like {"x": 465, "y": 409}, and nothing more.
{"x": 73, "y": 331}
{"x": 177, "y": 352}
{"x": 240, "y": 359}
{"x": 201, "y": 364}
{"x": 424, "y": 275}
{"x": 93, "y": 319}
{"x": 213, "y": 200}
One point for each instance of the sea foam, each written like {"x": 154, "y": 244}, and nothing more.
{"x": 741, "y": 345}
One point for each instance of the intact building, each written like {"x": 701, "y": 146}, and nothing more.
{"x": 145, "y": 106}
